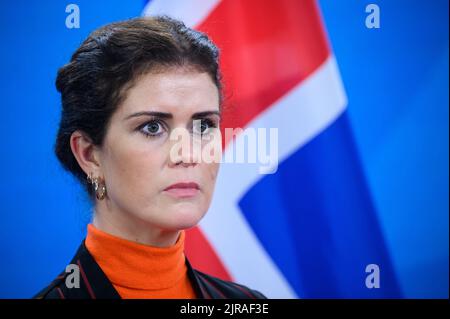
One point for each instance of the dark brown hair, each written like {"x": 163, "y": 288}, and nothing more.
{"x": 107, "y": 64}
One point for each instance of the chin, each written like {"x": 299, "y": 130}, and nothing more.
{"x": 188, "y": 216}
{"x": 183, "y": 216}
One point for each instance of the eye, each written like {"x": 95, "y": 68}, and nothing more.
{"x": 152, "y": 128}
{"x": 203, "y": 126}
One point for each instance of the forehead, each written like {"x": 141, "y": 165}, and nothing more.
{"x": 174, "y": 90}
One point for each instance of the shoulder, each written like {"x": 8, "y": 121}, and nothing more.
{"x": 54, "y": 290}
{"x": 218, "y": 288}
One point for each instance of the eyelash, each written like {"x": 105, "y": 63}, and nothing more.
{"x": 209, "y": 122}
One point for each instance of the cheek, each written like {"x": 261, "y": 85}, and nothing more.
{"x": 136, "y": 167}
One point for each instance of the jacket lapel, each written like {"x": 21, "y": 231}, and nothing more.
{"x": 93, "y": 282}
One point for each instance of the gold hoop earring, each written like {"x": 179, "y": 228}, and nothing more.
{"x": 99, "y": 186}
{"x": 89, "y": 178}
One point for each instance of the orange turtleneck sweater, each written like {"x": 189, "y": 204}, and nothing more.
{"x": 141, "y": 271}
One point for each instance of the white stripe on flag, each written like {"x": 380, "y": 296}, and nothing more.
{"x": 300, "y": 115}
{"x": 190, "y": 12}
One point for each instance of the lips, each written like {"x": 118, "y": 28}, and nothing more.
{"x": 183, "y": 186}
{"x": 183, "y": 190}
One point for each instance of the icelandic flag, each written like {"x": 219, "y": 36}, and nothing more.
{"x": 309, "y": 230}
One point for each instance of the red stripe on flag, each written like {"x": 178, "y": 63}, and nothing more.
{"x": 202, "y": 255}
{"x": 267, "y": 48}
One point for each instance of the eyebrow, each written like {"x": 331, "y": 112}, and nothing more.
{"x": 170, "y": 116}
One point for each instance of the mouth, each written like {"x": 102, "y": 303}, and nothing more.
{"x": 183, "y": 190}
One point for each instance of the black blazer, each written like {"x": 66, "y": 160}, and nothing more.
{"x": 95, "y": 285}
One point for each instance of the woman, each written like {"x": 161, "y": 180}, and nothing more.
{"x": 127, "y": 88}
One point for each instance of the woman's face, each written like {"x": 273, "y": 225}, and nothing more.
{"x": 136, "y": 159}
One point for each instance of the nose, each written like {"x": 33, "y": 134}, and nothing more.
{"x": 184, "y": 151}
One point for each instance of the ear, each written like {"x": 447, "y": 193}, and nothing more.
{"x": 86, "y": 153}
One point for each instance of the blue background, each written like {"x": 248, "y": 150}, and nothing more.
{"x": 396, "y": 79}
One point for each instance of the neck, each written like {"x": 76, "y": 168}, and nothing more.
{"x": 126, "y": 226}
